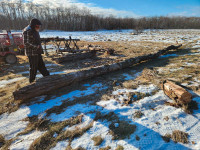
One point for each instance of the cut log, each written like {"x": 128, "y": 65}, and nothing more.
{"x": 76, "y": 56}
{"x": 53, "y": 82}
{"x": 171, "y": 89}
{"x": 176, "y": 92}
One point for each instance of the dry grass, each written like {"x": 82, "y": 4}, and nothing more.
{"x": 97, "y": 140}
{"x": 166, "y": 137}
{"x": 35, "y": 124}
{"x": 130, "y": 48}
{"x": 71, "y": 134}
{"x": 111, "y": 116}
{"x": 7, "y": 102}
{"x": 70, "y": 148}
{"x": 131, "y": 84}
{"x": 176, "y": 136}
{"x": 5, "y": 144}
{"x": 2, "y": 141}
{"x": 166, "y": 118}
{"x": 106, "y": 97}
{"x": 77, "y": 100}
{"x": 187, "y": 108}
{"x": 138, "y": 114}
{"x": 105, "y": 148}
{"x": 124, "y": 130}
{"x": 135, "y": 96}
{"x": 179, "y": 136}
{"x": 47, "y": 140}
{"x": 119, "y": 147}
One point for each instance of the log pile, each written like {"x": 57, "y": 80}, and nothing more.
{"x": 53, "y": 82}
{"x": 76, "y": 56}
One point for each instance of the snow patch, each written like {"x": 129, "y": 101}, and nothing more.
{"x": 12, "y": 124}
{"x": 24, "y": 141}
{"x": 61, "y": 145}
{"x": 168, "y": 55}
{"x": 3, "y": 83}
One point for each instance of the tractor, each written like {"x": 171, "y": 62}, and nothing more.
{"x": 11, "y": 44}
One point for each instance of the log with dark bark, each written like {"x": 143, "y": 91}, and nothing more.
{"x": 75, "y": 56}
{"x": 49, "y": 83}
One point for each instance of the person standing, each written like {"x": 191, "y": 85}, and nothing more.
{"x": 33, "y": 49}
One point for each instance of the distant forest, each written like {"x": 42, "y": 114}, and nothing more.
{"x": 17, "y": 15}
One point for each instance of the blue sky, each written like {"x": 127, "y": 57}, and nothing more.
{"x": 150, "y": 7}
{"x": 131, "y": 8}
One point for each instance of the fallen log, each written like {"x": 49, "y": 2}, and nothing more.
{"x": 75, "y": 56}
{"x": 53, "y": 82}
{"x": 176, "y": 92}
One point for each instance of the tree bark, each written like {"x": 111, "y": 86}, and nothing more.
{"x": 53, "y": 82}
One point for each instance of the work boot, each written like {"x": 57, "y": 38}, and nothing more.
{"x": 31, "y": 80}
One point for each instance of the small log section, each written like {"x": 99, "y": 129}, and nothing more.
{"x": 53, "y": 82}
{"x": 176, "y": 92}
{"x": 170, "y": 88}
{"x": 75, "y": 56}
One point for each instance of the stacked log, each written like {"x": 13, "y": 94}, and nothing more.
{"x": 53, "y": 82}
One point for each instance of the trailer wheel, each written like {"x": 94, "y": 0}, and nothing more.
{"x": 10, "y": 59}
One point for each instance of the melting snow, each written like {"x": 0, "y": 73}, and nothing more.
{"x": 3, "y": 83}
{"x": 168, "y": 55}
{"x": 24, "y": 141}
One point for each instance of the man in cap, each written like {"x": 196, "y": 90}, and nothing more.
{"x": 33, "y": 49}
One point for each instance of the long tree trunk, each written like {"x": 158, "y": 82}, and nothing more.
{"x": 53, "y": 82}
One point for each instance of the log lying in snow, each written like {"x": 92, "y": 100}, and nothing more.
{"x": 54, "y": 82}
{"x": 76, "y": 56}
{"x": 171, "y": 89}
{"x": 176, "y": 92}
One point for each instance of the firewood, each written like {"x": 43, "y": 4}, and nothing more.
{"x": 176, "y": 92}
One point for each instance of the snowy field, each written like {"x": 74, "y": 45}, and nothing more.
{"x": 157, "y": 119}
{"x": 168, "y": 36}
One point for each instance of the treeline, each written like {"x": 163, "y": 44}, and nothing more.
{"x": 17, "y": 15}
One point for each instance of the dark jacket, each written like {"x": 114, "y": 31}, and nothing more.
{"x": 31, "y": 39}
